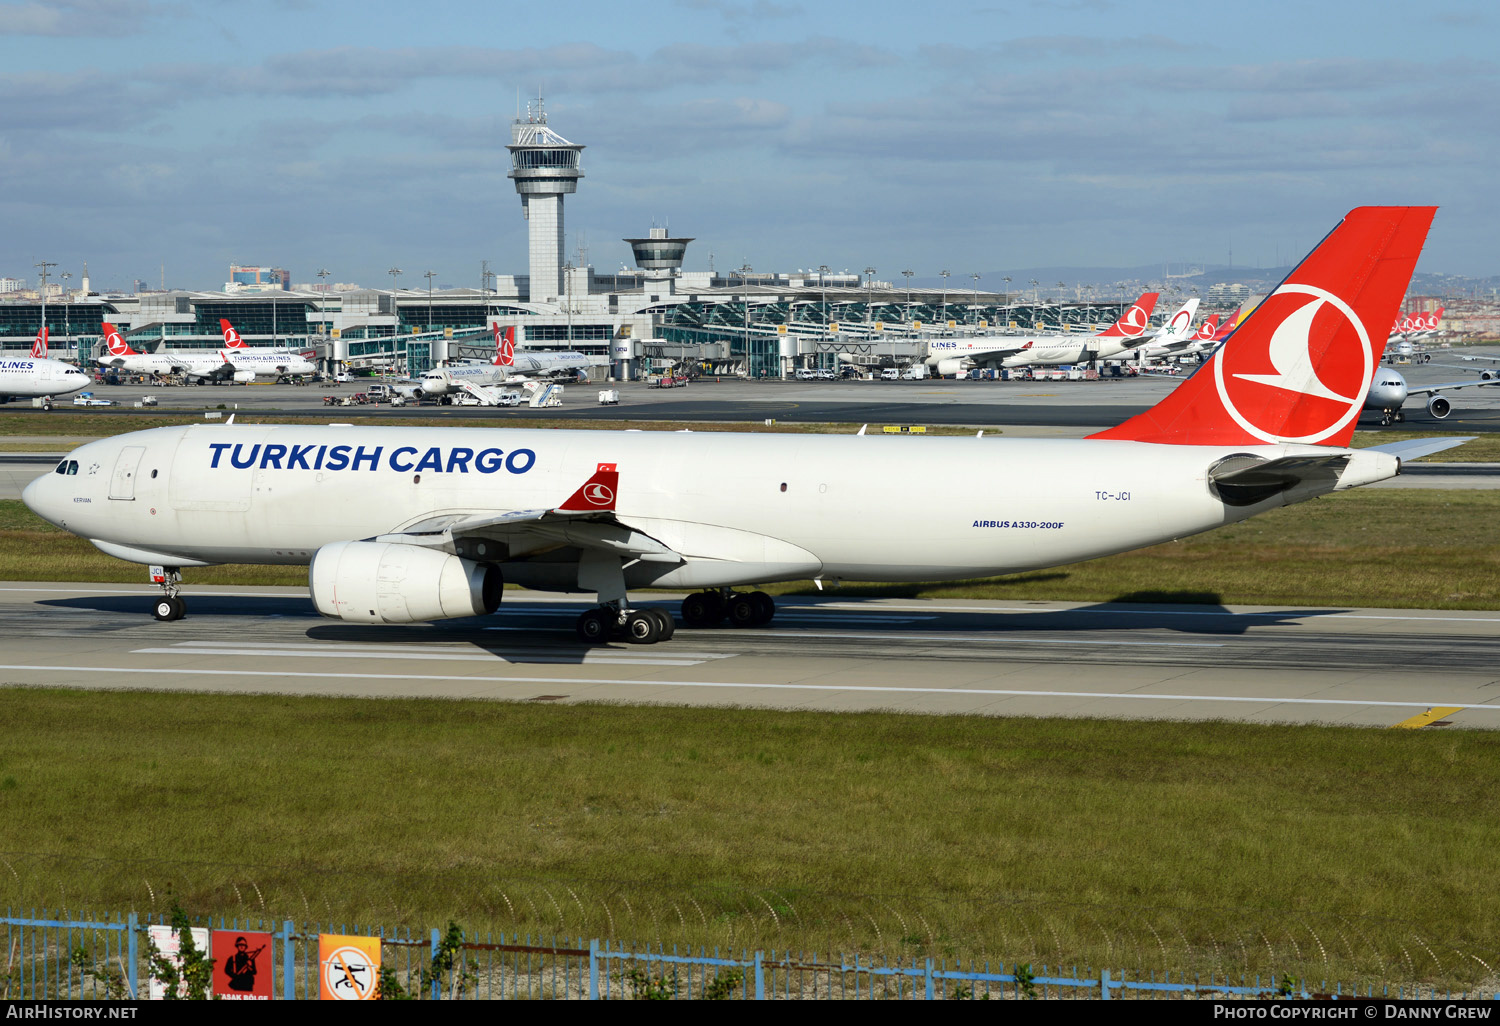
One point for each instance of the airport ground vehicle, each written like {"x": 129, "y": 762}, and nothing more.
{"x": 609, "y": 397}
{"x": 89, "y": 399}
{"x": 890, "y": 374}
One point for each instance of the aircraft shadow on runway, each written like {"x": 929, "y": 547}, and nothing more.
{"x": 1183, "y": 613}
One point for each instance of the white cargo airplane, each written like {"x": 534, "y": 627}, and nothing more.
{"x": 36, "y": 376}
{"x": 407, "y": 524}
{"x": 508, "y": 366}
{"x": 234, "y": 362}
{"x": 949, "y": 356}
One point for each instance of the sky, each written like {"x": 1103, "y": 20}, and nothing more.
{"x": 363, "y": 136}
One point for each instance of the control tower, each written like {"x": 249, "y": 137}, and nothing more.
{"x": 659, "y": 256}
{"x": 545, "y": 168}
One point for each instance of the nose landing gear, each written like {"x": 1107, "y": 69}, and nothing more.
{"x": 170, "y": 606}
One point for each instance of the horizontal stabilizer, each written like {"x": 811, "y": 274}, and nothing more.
{"x": 1416, "y": 448}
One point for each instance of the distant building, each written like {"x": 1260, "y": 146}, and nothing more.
{"x": 1227, "y": 294}
{"x": 11, "y": 284}
{"x": 257, "y": 279}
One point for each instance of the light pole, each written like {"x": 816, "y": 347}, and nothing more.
{"x": 907, "y": 275}
{"x": 975, "y": 302}
{"x": 46, "y": 268}
{"x": 429, "y": 276}
{"x": 395, "y": 273}
{"x": 945, "y": 272}
{"x": 869, "y": 293}
{"x": 823, "y": 292}
{"x": 323, "y": 273}
{"x": 1006, "y": 279}
{"x": 568, "y": 297}
{"x": 744, "y": 273}
{"x": 67, "y": 311}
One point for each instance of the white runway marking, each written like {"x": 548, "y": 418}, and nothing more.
{"x": 941, "y": 638}
{"x": 858, "y": 688}
{"x": 622, "y": 657}
{"x": 1290, "y": 615}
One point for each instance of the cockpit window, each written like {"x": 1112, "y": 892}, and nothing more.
{"x": 62, "y": 468}
{"x": 72, "y": 468}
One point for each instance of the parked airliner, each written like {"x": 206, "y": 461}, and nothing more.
{"x": 36, "y": 376}
{"x": 408, "y": 524}
{"x": 507, "y": 366}
{"x": 236, "y": 361}
{"x": 949, "y": 356}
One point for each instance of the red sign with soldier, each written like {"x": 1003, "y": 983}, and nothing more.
{"x": 242, "y": 965}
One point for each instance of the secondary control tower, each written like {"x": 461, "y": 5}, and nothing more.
{"x": 659, "y": 256}
{"x": 545, "y": 167}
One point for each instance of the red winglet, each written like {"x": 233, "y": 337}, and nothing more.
{"x": 1299, "y": 367}
{"x": 597, "y": 493}
{"x": 232, "y": 338}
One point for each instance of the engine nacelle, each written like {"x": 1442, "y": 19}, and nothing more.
{"x": 1439, "y": 407}
{"x": 948, "y": 368}
{"x": 1486, "y": 375}
{"x": 382, "y": 582}
{"x": 244, "y": 377}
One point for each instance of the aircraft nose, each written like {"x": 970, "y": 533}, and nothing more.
{"x": 36, "y": 497}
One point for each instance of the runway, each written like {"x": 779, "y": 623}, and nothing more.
{"x": 1351, "y": 666}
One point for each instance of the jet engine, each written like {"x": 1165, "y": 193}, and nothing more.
{"x": 1439, "y": 407}
{"x": 948, "y": 368}
{"x": 244, "y": 377}
{"x": 381, "y": 582}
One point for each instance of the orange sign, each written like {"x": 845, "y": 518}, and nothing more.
{"x": 348, "y": 967}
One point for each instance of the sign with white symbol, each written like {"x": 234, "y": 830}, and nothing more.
{"x": 348, "y": 967}
{"x": 1304, "y": 381}
{"x": 168, "y": 943}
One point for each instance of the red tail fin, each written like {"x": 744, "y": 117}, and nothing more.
{"x": 1135, "y": 320}
{"x": 39, "y": 347}
{"x": 1299, "y": 367}
{"x": 115, "y": 343}
{"x": 597, "y": 493}
{"x": 232, "y": 338}
{"x": 1207, "y": 329}
{"x": 1434, "y": 317}
{"x": 505, "y": 346}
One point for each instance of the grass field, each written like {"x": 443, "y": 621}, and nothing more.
{"x": 1196, "y": 846}
{"x": 1410, "y": 548}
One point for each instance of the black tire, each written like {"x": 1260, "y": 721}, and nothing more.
{"x": 665, "y": 622}
{"x": 180, "y": 607}
{"x": 642, "y": 627}
{"x": 742, "y": 610}
{"x": 165, "y": 609}
{"x": 765, "y": 607}
{"x": 593, "y": 627}
{"x": 703, "y": 609}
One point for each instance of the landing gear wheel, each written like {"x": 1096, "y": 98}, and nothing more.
{"x": 169, "y": 607}
{"x": 742, "y": 611}
{"x": 765, "y": 607}
{"x": 703, "y": 609}
{"x": 1400, "y": 417}
{"x": 593, "y": 627}
{"x": 642, "y": 627}
{"x": 665, "y": 622}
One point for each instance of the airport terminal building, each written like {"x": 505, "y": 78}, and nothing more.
{"x": 654, "y": 317}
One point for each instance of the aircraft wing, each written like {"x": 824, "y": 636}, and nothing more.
{"x": 1430, "y": 389}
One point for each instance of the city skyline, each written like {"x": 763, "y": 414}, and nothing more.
{"x": 781, "y": 135}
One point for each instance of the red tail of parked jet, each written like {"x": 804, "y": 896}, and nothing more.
{"x": 39, "y": 347}
{"x": 598, "y": 493}
{"x": 1299, "y": 367}
{"x": 1135, "y": 320}
{"x": 505, "y": 346}
{"x": 232, "y": 338}
{"x": 1207, "y": 330}
{"x": 115, "y": 342}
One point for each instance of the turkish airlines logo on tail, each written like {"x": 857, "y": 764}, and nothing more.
{"x": 114, "y": 343}
{"x": 1134, "y": 321}
{"x": 39, "y": 347}
{"x": 1206, "y": 329}
{"x": 597, "y": 493}
{"x": 505, "y": 346}
{"x": 1305, "y": 380}
{"x": 232, "y": 338}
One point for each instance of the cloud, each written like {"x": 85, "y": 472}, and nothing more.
{"x": 77, "y": 18}
{"x": 757, "y": 11}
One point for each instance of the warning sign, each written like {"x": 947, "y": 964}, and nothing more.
{"x": 168, "y": 943}
{"x": 242, "y": 965}
{"x": 348, "y": 967}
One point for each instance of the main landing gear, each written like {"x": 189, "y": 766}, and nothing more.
{"x": 637, "y": 626}
{"x": 170, "y": 606}
{"x": 1387, "y": 416}
{"x": 741, "y": 609}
